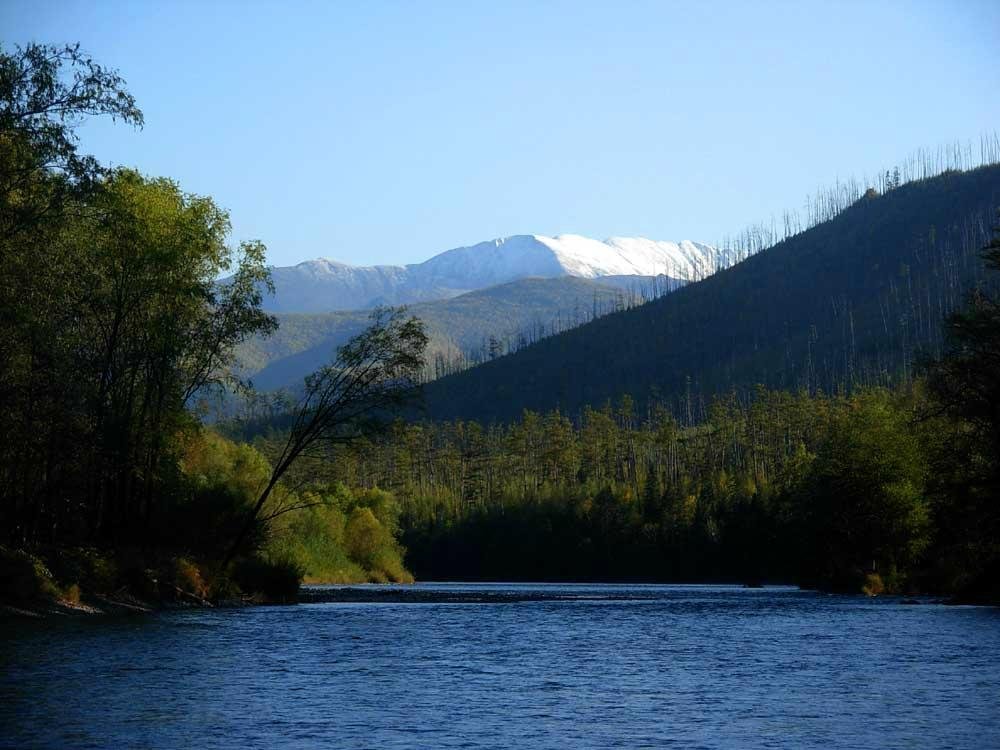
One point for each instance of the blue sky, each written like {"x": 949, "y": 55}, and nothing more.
{"x": 384, "y": 132}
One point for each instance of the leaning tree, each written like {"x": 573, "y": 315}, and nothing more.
{"x": 372, "y": 375}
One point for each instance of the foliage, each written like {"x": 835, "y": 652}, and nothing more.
{"x": 45, "y": 92}
{"x": 113, "y": 328}
{"x": 783, "y": 487}
{"x": 374, "y": 373}
{"x": 24, "y": 577}
{"x": 187, "y": 577}
{"x": 867, "y": 512}
{"x": 343, "y": 537}
{"x": 964, "y": 406}
{"x": 277, "y": 580}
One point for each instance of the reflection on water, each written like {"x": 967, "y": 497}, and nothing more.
{"x": 598, "y": 666}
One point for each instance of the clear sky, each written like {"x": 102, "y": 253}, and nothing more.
{"x": 384, "y": 132}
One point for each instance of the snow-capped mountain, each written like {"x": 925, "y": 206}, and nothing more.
{"x": 323, "y": 285}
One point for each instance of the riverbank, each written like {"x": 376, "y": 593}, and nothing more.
{"x": 41, "y": 609}
{"x": 83, "y": 582}
{"x": 74, "y": 582}
{"x": 117, "y": 605}
{"x": 126, "y": 605}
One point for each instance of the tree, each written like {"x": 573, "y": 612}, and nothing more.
{"x": 45, "y": 184}
{"x": 866, "y": 492}
{"x": 122, "y": 323}
{"x": 45, "y": 93}
{"x": 964, "y": 385}
{"x": 965, "y": 381}
{"x": 374, "y": 373}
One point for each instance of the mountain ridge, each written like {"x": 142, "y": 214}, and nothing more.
{"x": 506, "y": 316}
{"x": 326, "y": 285}
{"x": 850, "y": 300}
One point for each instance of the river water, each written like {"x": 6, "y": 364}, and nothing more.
{"x": 562, "y": 667}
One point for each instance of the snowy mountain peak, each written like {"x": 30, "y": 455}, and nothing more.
{"x": 632, "y": 256}
{"x": 325, "y": 284}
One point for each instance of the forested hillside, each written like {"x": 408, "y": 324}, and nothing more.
{"x": 463, "y": 330}
{"x": 852, "y": 300}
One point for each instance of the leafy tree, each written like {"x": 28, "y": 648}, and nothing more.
{"x": 964, "y": 385}
{"x": 867, "y": 509}
{"x": 965, "y": 380}
{"x": 349, "y": 399}
{"x": 107, "y": 350}
{"x": 45, "y": 93}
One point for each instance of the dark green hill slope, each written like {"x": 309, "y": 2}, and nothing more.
{"x": 460, "y": 328}
{"x": 848, "y": 301}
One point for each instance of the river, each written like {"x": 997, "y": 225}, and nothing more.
{"x": 542, "y": 666}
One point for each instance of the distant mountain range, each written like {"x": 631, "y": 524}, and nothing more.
{"x": 326, "y": 285}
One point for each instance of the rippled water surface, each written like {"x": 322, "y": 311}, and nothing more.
{"x": 610, "y": 666}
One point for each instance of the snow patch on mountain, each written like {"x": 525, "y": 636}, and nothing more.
{"x": 325, "y": 284}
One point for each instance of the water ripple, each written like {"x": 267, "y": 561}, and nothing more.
{"x": 527, "y": 666}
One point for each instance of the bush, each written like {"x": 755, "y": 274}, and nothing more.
{"x": 86, "y": 567}
{"x": 207, "y": 520}
{"x": 873, "y": 585}
{"x": 342, "y": 538}
{"x": 186, "y": 576}
{"x": 23, "y": 577}
{"x": 72, "y": 594}
{"x": 276, "y": 580}
{"x": 387, "y": 567}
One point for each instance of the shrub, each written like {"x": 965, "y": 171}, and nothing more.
{"x": 72, "y": 594}
{"x": 86, "y": 567}
{"x": 388, "y": 567}
{"x": 23, "y": 577}
{"x": 186, "y": 576}
{"x": 873, "y": 585}
{"x": 276, "y": 580}
{"x": 366, "y": 537}
{"x": 206, "y": 521}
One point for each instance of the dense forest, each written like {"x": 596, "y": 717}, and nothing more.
{"x": 878, "y": 490}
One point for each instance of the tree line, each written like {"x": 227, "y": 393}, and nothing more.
{"x": 890, "y": 489}
{"x": 450, "y": 360}
{"x": 829, "y": 202}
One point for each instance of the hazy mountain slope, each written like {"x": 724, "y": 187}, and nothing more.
{"x": 322, "y": 285}
{"x": 850, "y": 299}
{"x": 325, "y": 285}
{"x": 458, "y": 325}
